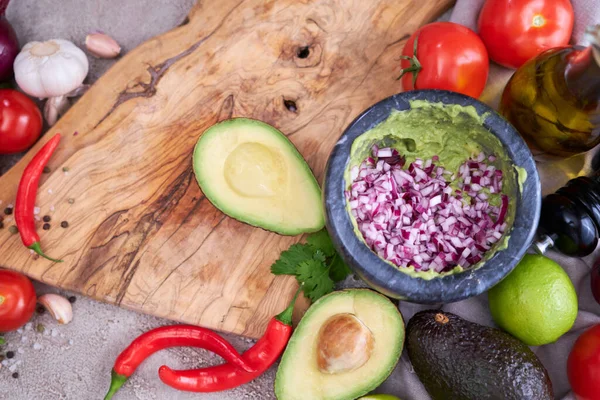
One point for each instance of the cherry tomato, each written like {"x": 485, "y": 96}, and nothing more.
{"x": 583, "y": 365}
{"x": 515, "y": 31}
{"x": 445, "y": 55}
{"x": 17, "y": 300}
{"x": 20, "y": 122}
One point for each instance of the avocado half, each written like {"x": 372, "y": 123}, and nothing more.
{"x": 347, "y": 343}
{"x": 251, "y": 171}
{"x": 461, "y": 360}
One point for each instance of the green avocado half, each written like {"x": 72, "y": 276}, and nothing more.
{"x": 347, "y": 343}
{"x": 252, "y": 172}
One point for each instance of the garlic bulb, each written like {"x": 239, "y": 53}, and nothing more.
{"x": 50, "y": 69}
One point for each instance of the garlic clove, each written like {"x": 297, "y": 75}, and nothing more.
{"x": 102, "y": 45}
{"x": 58, "y": 306}
{"x": 54, "y": 108}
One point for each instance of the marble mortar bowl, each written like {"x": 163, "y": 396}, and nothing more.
{"x": 385, "y": 277}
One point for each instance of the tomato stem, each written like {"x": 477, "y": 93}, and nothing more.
{"x": 415, "y": 65}
{"x": 538, "y": 21}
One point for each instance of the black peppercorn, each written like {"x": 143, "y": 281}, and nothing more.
{"x": 10, "y": 354}
{"x": 46, "y": 170}
{"x": 64, "y": 224}
{"x": 46, "y": 218}
{"x": 40, "y": 309}
{"x": 8, "y": 210}
{"x": 15, "y": 375}
{"x": 72, "y": 299}
{"x": 46, "y": 227}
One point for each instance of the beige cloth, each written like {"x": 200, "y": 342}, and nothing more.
{"x": 554, "y": 174}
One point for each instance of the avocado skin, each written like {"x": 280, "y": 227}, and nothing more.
{"x": 461, "y": 360}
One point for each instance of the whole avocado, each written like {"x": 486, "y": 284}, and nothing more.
{"x": 461, "y": 360}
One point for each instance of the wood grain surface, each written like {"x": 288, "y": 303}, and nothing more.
{"x": 141, "y": 234}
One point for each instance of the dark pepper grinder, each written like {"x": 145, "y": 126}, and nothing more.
{"x": 570, "y": 218}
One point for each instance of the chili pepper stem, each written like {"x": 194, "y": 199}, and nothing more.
{"x": 116, "y": 382}
{"x": 38, "y": 249}
{"x": 286, "y": 315}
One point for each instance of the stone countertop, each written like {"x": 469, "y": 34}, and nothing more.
{"x": 74, "y": 361}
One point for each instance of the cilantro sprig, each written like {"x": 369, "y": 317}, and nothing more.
{"x": 315, "y": 264}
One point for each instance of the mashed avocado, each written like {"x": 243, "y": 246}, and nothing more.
{"x": 452, "y": 132}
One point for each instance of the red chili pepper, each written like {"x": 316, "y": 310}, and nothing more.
{"x": 170, "y": 336}
{"x": 26, "y": 195}
{"x": 225, "y": 376}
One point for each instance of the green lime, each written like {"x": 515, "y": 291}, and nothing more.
{"x": 536, "y": 303}
{"x": 379, "y": 397}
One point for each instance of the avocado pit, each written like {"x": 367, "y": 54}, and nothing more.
{"x": 344, "y": 344}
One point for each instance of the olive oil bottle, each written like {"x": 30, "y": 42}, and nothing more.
{"x": 554, "y": 99}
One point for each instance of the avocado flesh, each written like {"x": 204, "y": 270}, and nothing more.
{"x": 299, "y": 377}
{"x": 253, "y": 173}
{"x": 460, "y": 360}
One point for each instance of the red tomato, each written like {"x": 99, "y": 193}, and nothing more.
{"x": 20, "y": 122}
{"x": 583, "y": 365}
{"x": 17, "y": 300}
{"x": 515, "y": 31}
{"x": 448, "y": 56}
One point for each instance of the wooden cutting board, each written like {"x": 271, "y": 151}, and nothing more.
{"x": 141, "y": 234}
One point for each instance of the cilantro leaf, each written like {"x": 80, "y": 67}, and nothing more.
{"x": 319, "y": 256}
{"x": 321, "y": 241}
{"x": 316, "y": 265}
{"x": 338, "y": 270}
{"x": 315, "y": 277}
{"x": 289, "y": 259}
{"x": 281, "y": 267}
{"x": 2, "y": 341}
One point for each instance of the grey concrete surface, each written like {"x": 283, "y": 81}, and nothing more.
{"x": 74, "y": 361}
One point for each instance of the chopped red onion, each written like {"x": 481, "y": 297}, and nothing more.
{"x": 414, "y": 217}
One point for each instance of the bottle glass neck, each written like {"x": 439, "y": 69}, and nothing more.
{"x": 582, "y": 75}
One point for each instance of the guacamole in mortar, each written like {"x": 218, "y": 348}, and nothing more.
{"x": 453, "y": 133}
